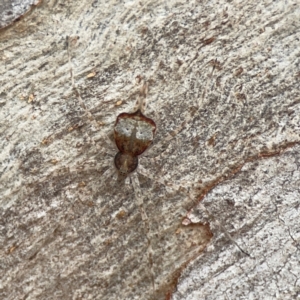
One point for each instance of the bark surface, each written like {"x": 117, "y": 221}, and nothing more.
{"x": 223, "y": 90}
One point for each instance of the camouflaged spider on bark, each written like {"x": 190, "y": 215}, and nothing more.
{"x": 141, "y": 190}
{"x": 133, "y": 133}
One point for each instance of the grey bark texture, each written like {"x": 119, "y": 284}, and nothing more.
{"x": 211, "y": 211}
{"x": 13, "y": 10}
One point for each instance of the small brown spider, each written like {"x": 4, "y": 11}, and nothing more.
{"x": 133, "y": 135}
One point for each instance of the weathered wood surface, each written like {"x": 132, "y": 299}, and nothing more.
{"x": 13, "y": 10}
{"x": 231, "y": 70}
{"x": 261, "y": 205}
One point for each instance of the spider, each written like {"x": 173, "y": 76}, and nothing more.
{"x": 133, "y": 137}
{"x": 133, "y": 134}
{"x": 134, "y": 141}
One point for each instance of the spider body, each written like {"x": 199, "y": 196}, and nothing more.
{"x": 133, "y": 133}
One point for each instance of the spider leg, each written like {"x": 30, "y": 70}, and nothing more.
{"x": 168, "y": 185}
{"x": 140, "y": 202}
{"x": 105, "y": 139}
{"x": 176, "y": 187}
{"x": 221, "y": 227}
{"x": 110, "y": 173}
{"x": 200, "y": 101}
{"x": 170, "y": 136}
{"x": 141, "y": 101}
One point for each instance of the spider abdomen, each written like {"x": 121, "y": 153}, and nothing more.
{"x": 126, "y": 163}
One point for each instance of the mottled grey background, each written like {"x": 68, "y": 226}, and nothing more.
{"x": 11, "y": 10}
{"x": 223, "y": 81}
